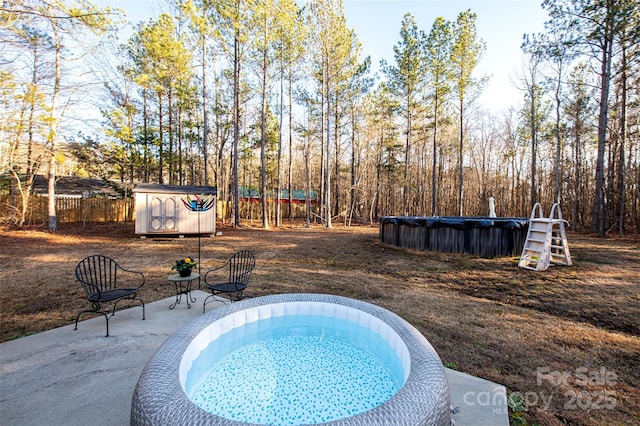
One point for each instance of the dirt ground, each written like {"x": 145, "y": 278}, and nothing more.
{"x": 565, "y": 342}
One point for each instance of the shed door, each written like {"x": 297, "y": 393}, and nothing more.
{"x": 163, "y": 213}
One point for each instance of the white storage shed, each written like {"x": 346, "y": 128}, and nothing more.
{"x": 161, "y": 209}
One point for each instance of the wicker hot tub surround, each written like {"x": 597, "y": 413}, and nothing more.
{"x": 160, "y": 399}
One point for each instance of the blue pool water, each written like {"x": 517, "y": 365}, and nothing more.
{"x": 295, "y": 370}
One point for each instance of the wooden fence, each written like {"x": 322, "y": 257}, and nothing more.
{"x": 76, "y": 209}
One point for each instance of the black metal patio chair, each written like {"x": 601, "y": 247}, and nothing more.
{"x": 105, "y": 282}
{"x": 232, "y": 278}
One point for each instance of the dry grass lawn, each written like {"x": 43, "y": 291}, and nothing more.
{"x": 566, "y": 340}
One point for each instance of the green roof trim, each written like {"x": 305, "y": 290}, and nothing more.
{"x": 296, "y": 194}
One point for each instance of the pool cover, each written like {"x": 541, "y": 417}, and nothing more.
{"x": 458, "y": 222}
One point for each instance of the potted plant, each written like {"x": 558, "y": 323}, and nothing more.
{"x": 184, "y": 266}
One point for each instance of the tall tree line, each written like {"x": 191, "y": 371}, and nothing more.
{"x": 605, "y": 35}
{"x": 265, "y": 96}
{"x": 36, "y": 92}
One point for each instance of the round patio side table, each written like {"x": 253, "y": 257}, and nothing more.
{"x": 183, "y": 286}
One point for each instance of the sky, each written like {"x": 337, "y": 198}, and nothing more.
{"x": 500, "y": 23}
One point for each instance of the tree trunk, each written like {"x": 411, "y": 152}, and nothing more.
{"x": 434, "y": 165}
{"x": 558, "y": 159}
{"x": 205, "y": 113}
{"x": 337, "y": 155}
{"x": 280, "y": 123}
{"x": 534, "y": 144}
{"x": 352, "y": 190}
{"x": 290, "y": 168}
{"x": 460, "y": 165}
{"x": 52, "y": 137}
{"x": 263, "y": 140}
{"x": 407, "y": 154}
{"x": 181, "y": 152}
{"x": 145, "y": 130}
{"x": 623, "y": 135}
{"x": 236, "y": 127}
{"x": 307, "y": 175}
{"x": 323, "y": 169}
{"x": 599, "y": 214}
{"x": 170, "y": 156}
{"x": 327, "y": 157}
{"x": 160, "y": 142}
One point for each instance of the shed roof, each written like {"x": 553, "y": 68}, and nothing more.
{"x": 175, "y": 189}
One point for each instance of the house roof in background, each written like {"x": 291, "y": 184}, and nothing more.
{"x": 296, "y": 194}
{"x": 74, "y": 185}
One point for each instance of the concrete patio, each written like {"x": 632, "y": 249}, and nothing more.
{"x": 67, "y": 377}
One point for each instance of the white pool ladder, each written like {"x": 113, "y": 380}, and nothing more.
{"x": 546, "y": 244}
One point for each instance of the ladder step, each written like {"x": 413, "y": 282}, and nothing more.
{"x": 546, "y": 242}
{"x": 536, "y": 240}
{"x": 529, "y": 250}
{"x": 527, "y": 267}
{"x": 538, "y": 229}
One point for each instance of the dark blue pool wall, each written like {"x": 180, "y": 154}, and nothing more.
{"x": 479, "y": 236}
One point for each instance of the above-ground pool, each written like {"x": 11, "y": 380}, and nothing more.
{"x": 480, "y": 236}
{"x": 290, "y": 360}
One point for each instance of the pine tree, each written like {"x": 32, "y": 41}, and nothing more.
{"x": 333, "y": 45}
{"x": 406, "y": 81}
{"x": 440, "y": 73}
{"x": 466, "y": 53}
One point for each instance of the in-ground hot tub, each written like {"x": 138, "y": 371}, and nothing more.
{"x": 169, "y": 388}
{"x": 480, "y": 236}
